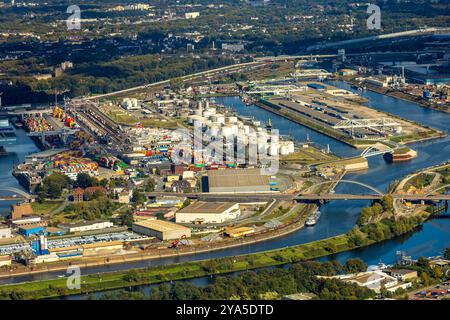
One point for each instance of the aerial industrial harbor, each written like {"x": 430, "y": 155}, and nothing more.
{"x": 330, "y": 157}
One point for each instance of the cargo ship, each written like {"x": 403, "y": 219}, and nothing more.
{"x": 313, "y": 219}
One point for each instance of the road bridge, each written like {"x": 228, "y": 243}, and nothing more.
{"x": 16, "y": 191}
{"x": 254, "y": 197}
{"x": 409, "y": 33}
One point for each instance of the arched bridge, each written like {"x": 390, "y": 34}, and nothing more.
{"x": 376, "y": 149}
{"x": 365, "y": 185}
{"x": 16, "y": 191}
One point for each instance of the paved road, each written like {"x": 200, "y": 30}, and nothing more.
{"x": 282, "y": 196}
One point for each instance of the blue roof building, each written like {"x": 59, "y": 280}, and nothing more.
{"x": 29, "y": 231}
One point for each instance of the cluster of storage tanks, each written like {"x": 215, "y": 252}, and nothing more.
{"x": 219, "y": 125}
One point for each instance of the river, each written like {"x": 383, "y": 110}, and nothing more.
{"x": 16, "y": 154}
{"x": 337, "y": 216}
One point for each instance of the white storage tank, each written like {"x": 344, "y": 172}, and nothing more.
{"x": 218, "y": 118}
{"x": 195, "y": 118}
{"x": 207, "y": 113}
{"x": 227, "y": 130}
{"x": 273, "y": 149}
{"x": 214, "y": 130}
{"x": 287, "y": 147}
{"x": 232, "y": 119}
{"x": 235, "y": 129}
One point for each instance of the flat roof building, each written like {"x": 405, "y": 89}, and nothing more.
{"x": 163, "y": 230}
{"x": 371, "y": 279}
{"x": 208, "y": 212}
{"x": 5, "y": 232}
{"x": 28, "y": 231}
{"x": 237, "y": 181}
{"x": 85, "y": 226}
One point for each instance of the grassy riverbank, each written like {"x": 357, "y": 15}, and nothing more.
{"x": 114, "y": 280}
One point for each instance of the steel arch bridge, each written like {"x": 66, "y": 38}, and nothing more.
{"x": 365, "y": 185}
{"x": 17, "y": 191}
{"x": 376, "y": 149}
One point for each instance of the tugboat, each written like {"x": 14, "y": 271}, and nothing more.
{"x": 312, "y": 220}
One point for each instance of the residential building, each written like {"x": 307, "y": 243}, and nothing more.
{"x": 78, "y": 195}
{"x": 125, "y": 196}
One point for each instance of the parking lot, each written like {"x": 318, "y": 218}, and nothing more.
{"x": 12, "y": 248}
{"x": 75, "y": 241}
{"x": 437, "y": 292}
{"x": 81, "y": 240}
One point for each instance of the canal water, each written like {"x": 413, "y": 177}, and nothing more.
{"x": 337, "y": 216}
{"x": 16, "y": 154}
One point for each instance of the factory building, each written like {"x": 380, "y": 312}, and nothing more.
{"x": 101, "y": 248}
{"x": 163, "y": 230}
{"x": 29, "y": 221}
{"x": 28, "y": 231}
{"x": 236, "y": 181}
{"x": 208, "y": 212}
{"x": 5, "y": 232}
{"x": 85, "y": 226}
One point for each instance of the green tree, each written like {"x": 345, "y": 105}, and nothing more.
{"x": 176, "y": 84}
{"x": 53, "y": 184}
{"x": 447, "y": 253}
{"x": 150, "y": 185}
{"x": 355, "y": 266}
{"x": 425, "y": 278}
{"x": 84, "y": 180}
{"x": 138, "y": 197}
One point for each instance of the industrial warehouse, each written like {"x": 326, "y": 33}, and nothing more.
{"x": 208, "y": 212}
{"x": 163, "y": 230}
{"x": 237, "y": 181}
